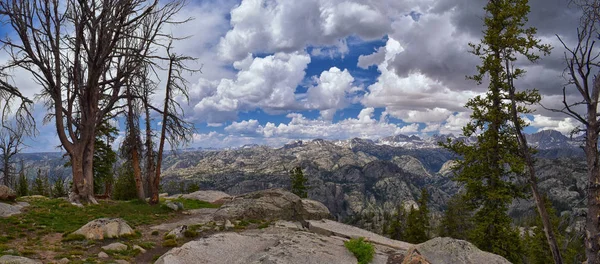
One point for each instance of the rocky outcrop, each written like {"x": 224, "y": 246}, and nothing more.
{"x": 333, "y": 228}
{"x": 323, "y": 242}
{"x": 313, "y": 210}
{"x": 7, "y": 194}
{"x": 197, "y": 216}
{"x": 7, "y": 210}
{"x": 8, "y": 259}
{"x": 445, "y": 250}
{"x": 207, "y": 196}
{"x": 270, "y": 245}
{"x": 115, "y": 247}
{"x": 105, "y": 228}
{"x": 271, "y": 204}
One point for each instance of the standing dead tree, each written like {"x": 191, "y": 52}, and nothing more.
{"x": 174, "y": 128}
{"x": 11, "y": 143}
{"x": 81, "y": 54}
{"x": 582, "y": 73}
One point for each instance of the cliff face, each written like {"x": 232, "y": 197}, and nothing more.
{"x": 359, "y": 177}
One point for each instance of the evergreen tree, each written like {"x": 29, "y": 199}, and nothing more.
{"x": 299, "y": 182}
{"x": 58, "y": 189}
{"x": 397, "y": 225}
{"x": 456, "y": 222}
{"x": 536, "y": 245}
{"x": 40, "y": 185}
{"x": 104, "y": 157}
{"x": 125, "y": 183}
{"x": 417, "y": 221}
{"x": 22, "y": 184}
{"x": 489, "y": 166}
{"x": 193, "y": 187}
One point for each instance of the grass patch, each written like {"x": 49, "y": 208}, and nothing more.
{"x": 194, "y": 204}
{"x": 169, "y": 243}
{"x": 362, "y": 250}
{"x": 146, "y": 244}
{"x": 264, "y": 225}
{"x": 154, "y": 233}
{"x": 73, "y": 237}
{"x": 58, "y": 215}
{"x": 190, "y": 233}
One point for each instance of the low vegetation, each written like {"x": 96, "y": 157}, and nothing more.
{"x": 46, "y": 226}
{"x": 362, "y": 250}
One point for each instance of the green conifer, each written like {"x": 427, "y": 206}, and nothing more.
{"x": 488, "y": 167}
{"x": 299, "y": 182}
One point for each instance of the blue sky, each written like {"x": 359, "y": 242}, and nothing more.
{"x": 275, "y": 71}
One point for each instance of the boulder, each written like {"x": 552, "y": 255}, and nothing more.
{"x": 8, "y": 259}
{"x": 115, "y": 247}
{"x": 138, "y": 248}
{"x": 207, "y": 196}
{"x": 271, "y": 204}
{"x": 333, "y": 228}
{"x": 105, "y": 228}
{"x": 175, "y": 206}
{"x": 269, "y": 245}
{"x": 7, "y": 194}
{"x": 445, "y": 250}
{"x": 102, "y": 255}
{"x": 413, "y": 256}
{"x": 178, "y": 232}
{"x": 7, "y": 210}
{"x": 312, "y": 209}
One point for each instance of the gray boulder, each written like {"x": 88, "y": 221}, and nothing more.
{"x": 7, "y": 194}
{"x": 115, "y": 247}
{"x": 270, "y": 245}
{"x": 312, "y": 209}
{"x": 207, "y": 196}
{"x": 178, "y": 232}
{"x": 271, "y": 204}
{"x": 8, "y": 259}
{"x": 105, "y": 228}
{"x": 7, "y": 210}
{"x": 175, "y": 206}
{"x": 445, "y": 250}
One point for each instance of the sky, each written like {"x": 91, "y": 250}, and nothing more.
{"x": 274, "y": 71}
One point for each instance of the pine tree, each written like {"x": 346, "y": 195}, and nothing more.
{"x": 489, "y": 166}
{"x": 538, "y": 251}
{"x": 22, "y": 184}
{"x": 456, "y": 222}
{"x": 397, "y": 225}
{"x": 104, "y": 157}
{"x": 125, "y": 183}
{"x": 40, "y": 185}
{"x": 417, "y": 221}
{"x": 299, "y": 182}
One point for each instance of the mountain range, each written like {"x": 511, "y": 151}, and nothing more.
{"x": 357, "y": 177}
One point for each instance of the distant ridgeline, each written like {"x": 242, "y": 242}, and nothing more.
{"x": 355, "y": 177}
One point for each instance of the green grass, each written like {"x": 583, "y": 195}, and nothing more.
{"x": 194, "y": 204}
{"x": 362, "y": 250}
{"x": 73, "y": 237}
{"x": 57, "y": 215}
{"x": 169, "y": 243}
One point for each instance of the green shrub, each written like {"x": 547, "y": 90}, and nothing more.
{"x": 125, "y": 184}
{"x": 362, "y": 250}
{"x": 169, "y": 243}
{"x": 73, "y": 237}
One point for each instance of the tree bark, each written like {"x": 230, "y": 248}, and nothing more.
{"x": 526, "y": 153}
{"x": 592, "y": 246}
{"x": 163, "y": 131}
{"x": 150, "y": 169}
{"x": 134, "y": 143}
